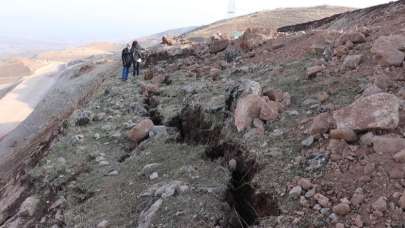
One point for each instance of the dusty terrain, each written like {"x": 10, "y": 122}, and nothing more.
{"x": 303, "y": 130}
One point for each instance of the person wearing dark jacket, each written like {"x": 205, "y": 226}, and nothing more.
{"x": 127, "y": 60}
{"x": 136, "y": 56}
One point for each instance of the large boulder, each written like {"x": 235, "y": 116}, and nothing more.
{"x": 389, "y": 50}
{"x": 168, "y": 41}
{"x": 239, "y": 89}
{"x": 218, "y": 44}
{"x": 140, "y": 131}
{"x": 251, "y": 38}
{"x": 379, "y": 111}
{"x": 321, "y": 124}
{"x": 253, "y": 106}
{"x": 388, "y": 144}
{"x": 354, "y": 37}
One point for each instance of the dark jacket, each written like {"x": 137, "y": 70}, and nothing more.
{"x": 127, "y": 57}
{"x": 136, "y": 51}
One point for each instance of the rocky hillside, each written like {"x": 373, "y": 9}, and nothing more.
{"x": 155, "y": 39}
{"x": 302, "y": 130}
{"x": 269, "y": 20}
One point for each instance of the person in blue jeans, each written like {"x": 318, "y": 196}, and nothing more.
{"x": 127, "y": 60}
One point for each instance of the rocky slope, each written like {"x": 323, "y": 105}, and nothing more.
{"x": 303, "y": 130}
{"x": 269, "y": 20}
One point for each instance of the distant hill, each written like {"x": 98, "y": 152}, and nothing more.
{"x": 152, "y": 40}
{"x": 66, "y": 55}
{"x": 269, "y": 20}
{"x": 14, "y": 46}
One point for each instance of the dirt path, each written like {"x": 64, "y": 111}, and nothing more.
{"x": 18, "y": 104}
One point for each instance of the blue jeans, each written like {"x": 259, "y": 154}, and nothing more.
{"x": 125, "y": 72}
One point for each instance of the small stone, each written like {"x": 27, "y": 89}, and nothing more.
{"x": 310, "y": 193}
{"x": 358, "y": 197}
{"x": 83, "y": 119}
{"x": 295, "y": 192}
{"x": 104, "y": 163}
{"x": 352, "y": 61}
{"x": 340, "y": 225}
{"x": 99, "y": 116}
{"x": 113, "y": 173}
{"x": 103, "y": 224}
{"x": 325, "y": 211}
{"x": 97, "y": 136}
{"x": 400, "y": 156}
{"x": 305, "y": 183}
{"x": 317, "y": 207}
{"x": 304, "y": 202}
{"x": 333, "y": 217}
{"x": 342, "y": 209}
{"x": 149, "y": 169}
{"x": 322, "y": 200}
{"x": 29, "y": 206}
{"x": 154, "y": 176}
{"x": 232, "y": 164}
{"x": 358, "y": 221}
{"x": 308, "y": 141}
{"x": 380, "y": 204}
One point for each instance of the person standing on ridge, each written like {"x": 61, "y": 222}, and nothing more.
{"x": 136, "y": 56}
{"x": 127, "y": 60}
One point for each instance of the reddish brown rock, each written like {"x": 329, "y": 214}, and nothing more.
{"x": 379, "y": 111}
{"x": 388, "y": 144}
{"x": 400, "y": 156}
{"x": 253, "y": 106}
{"x": 346, "y": 134}
{"x": 305, "y": 183}
{"x": 321, "y": 124}
{"x": 168, "y": 41}
{"x": 340, "y": 225}
{"x": 342, "y": 209}
{"x": 218, "y": 43}
{"x": 149, "y": 89}
{"x": 322, "y": 200}
{"x": 140, "y": 131}
{"x": 251, "y": 39}
{"x": 354, "y": 37}
{"x": 388, "y": 50}
{"x": 380, "y": 204}
{"x": 341, "y": 51}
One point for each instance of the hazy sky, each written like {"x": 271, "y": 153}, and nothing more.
{"x": 117, "y": 20}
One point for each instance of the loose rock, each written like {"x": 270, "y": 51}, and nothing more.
{"x": 342, "y": 209}
{"x": 140, "y": 131}
{"x": 380, "y": 111}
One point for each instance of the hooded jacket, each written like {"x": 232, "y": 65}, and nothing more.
{"x": 127, "y": 57}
